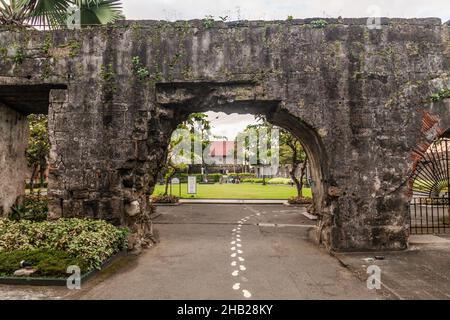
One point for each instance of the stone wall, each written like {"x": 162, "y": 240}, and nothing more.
{"x": 357, "y": 98}
{"x": 13, "y": 165}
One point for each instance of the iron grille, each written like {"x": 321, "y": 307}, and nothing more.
{"x": 429, "y": 207}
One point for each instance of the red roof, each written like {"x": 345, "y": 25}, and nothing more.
{"x": 221, "y": 148}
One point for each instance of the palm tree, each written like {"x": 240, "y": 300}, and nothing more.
{"x": 55, "y": 13}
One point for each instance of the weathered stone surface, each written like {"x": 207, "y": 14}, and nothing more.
{"x": 13, "y": 164}
{"x": 356, "y": 97}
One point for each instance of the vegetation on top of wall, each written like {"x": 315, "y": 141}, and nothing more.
{"x": 290, "y": 18}
{"x": 319, "y": 24}
{"x": 208, "y": 22}
{"x": 441, "y": 95}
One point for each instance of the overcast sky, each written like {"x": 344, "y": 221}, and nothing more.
{"x": 280, "y": 9}
{"x": 230, "y": 125}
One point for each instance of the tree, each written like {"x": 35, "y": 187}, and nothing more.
{"x": 55, "y": 13}
{"x": 170, "y": 167}
{"x": 197, "y": 124}
{"x": 199, "y": 127}
{"x": 292, "y": 153}
{"x": 38, "y": 147}
{"x": 259, "y": 128}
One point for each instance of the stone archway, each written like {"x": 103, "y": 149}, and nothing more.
{"x": 359, "y": 106}
{"x": 181, "y": 99}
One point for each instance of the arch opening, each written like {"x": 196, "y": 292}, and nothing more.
{"x": 178, "y": 101}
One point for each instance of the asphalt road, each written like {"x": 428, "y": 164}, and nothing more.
{"x": 214, "y": 251}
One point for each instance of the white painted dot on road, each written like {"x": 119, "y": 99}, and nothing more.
{"x": 238, "y": 240}
{"x": 239, "y": 245}
{"x": 235, "y": 273}
{"x": 238, "y": 236}
{"x": 246, "y": 293}
{"x": 242, "y": 268}
{"x": 233, "y": 255}
{"x": 233, "y": 248}
{"x": 232, "y": 242}
{"x": 258, "y": 214}
{"x": 240, "y": 251}
{"x": 236, "y": 286}
{"x": 233, "y": 230}
{"x": 241, "y": 259}
{"x": 233, "y": 264}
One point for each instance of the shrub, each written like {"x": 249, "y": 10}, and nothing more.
{"x": 253, "y": 180}
{"x": 319, "y": 24}
{"x": 245, "y": 175}
{"x": 92, "y": 241}
{"x": 34, "y": 208}
{"x": 165, "y": 198}
{"x": 279, "y": 181}
{"x": 303, "y": 200}
{"x": 46, "y": 262}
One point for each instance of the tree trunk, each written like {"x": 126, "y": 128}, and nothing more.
{"x": 297, "y": 183}
{"x": 33, "y": 175}
{"x": 41, "y": 179}
{"x": 166, "y": 190}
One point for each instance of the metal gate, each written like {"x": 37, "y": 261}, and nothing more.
{"x": 429, "y": 208}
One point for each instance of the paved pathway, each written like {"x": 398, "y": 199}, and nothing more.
{"x": 222, "y": 251}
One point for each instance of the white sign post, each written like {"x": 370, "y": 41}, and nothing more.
{"x": 192, "y": 185}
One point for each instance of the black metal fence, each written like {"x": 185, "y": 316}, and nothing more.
{"x": 430, "y": 216}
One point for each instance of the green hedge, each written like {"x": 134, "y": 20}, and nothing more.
{"x": 279, "y": 181}
{"x": 90, "y": 241}
{"x": 46, "y": 262}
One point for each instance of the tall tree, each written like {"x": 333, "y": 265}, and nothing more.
{"x": 200, "y": 127}
{"x": 293, "y": 154}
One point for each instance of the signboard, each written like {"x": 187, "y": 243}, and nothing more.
{"x": 192, "y": 185}
{"x": 175, "y": 181}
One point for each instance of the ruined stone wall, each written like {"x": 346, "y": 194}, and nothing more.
{"x": 343, "y": 89}
{"x": 13, "y": 164}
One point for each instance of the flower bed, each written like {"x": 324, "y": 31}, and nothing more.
{"x": 303, "y": 200}
{"x": 51, "y": 246}
{"x": 165, "y": 199}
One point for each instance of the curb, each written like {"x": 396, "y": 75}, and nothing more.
{"x": 355, "y": 273}
{"x": 59, "y": 282}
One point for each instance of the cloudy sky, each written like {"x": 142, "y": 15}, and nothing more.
{"x": 230, "y": 125}
{"x": 280, "y": 9}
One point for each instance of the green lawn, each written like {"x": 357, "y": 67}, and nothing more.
{"x": 235, "y": 191}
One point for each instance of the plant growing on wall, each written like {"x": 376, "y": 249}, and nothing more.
{"x": 441, "y": 95}
{"x": 319, "y": 24}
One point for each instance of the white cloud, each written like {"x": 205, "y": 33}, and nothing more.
{"x": 229, "y": 125}
{"x": 280, "y": 9}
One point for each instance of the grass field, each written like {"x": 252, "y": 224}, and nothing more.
{"x": 235, "y": 191}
